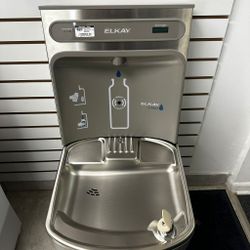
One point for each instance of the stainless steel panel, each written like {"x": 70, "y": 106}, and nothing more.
{"x": 84, "y": 70}
{"x": 150, "y": 87}
{"x": 110, "y": 204}
{"x": 180, "y": 13}
{"x": 115, "y": 31}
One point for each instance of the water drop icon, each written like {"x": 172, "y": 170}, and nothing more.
{"x": 118, "y": 73}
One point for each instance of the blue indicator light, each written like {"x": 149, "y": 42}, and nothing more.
{"x": 118, "y": 73}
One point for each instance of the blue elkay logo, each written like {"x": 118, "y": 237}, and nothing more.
{"x": 161, "y": 108}
{"x": 153, "y": 105}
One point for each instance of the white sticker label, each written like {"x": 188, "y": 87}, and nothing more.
{"x": 84, "y": 31}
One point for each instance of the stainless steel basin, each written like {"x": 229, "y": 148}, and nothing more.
{"x": 109, "y": 190}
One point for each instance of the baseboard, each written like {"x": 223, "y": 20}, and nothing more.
{"x": 207, "y": 180}
{"x": 239, "y": 187}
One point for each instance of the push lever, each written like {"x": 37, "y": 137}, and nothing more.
{"x": 165, "y": 224}
{"x": 163, "y": 229}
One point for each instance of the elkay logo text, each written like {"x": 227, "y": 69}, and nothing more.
{"x": 152, "y": 105}
{"x": 117, "y": 30}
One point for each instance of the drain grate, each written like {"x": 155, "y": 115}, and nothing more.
{"x": 93, "y": 192}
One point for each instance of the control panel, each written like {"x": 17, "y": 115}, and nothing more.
{"x": 77, "y": 31}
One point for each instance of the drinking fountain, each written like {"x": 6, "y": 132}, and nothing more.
{"x": 117, "y": 74}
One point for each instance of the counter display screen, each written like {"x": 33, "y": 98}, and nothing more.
{"x": 160, "y": 29}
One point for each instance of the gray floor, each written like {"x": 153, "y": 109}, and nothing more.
{"x": 31, "y": 207}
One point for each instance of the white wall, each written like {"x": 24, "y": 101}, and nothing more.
{"x": 244, "y": 173}
{"x": 240, "y": 179}
{"x": 225, "y": 135}
{"x": 28, "y": 8}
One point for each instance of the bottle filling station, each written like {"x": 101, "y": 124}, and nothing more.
{"x": 117, "y": 74}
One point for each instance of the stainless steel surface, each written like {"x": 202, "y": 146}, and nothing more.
{"x": 119, "y": 61}
{"x": 117, "y": 31}
{"x": 127, "y": 76}
{"x": 194, "y": 182}
{"x": 118, "y": 76}
{"x": 110, "y": 200}
{"x": 180, "y": 13}
{"x": 148, "y": 90}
